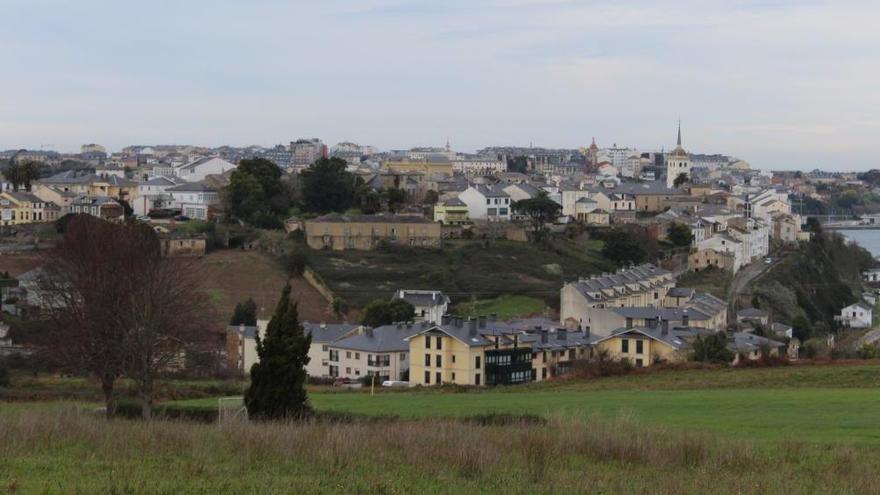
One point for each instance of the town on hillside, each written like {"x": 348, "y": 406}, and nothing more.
{"x": 679, "y": 245}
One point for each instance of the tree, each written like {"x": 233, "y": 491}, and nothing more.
{"x": 115, "y": 307}
{"x": 245, "y": 313}
{"x": 623, "y": 248}
{"x": 540, "y": 210}
{"x": 277, "y": 388}
{"x": 327, "y": 186}
{"x": 712, "y": 349}
{"x": 431, "y": 197}
{"x": 680, "y": 179}
{"x": 679, "y": 234}
{"x": 396, "y": 199}
{"x": 256, "y": 194}
{"x": 518, "y": 164}
{"x": 380, "y": 312}
{"x": 22, "y": 174}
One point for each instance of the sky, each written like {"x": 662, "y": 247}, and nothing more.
{"x": 782, "y": 84}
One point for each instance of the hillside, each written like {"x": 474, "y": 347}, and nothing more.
{"x": 464, "y": 270}
{"x": 815, "y": 282}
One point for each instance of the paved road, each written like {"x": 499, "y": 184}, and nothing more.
{"x": 744, "y": 277}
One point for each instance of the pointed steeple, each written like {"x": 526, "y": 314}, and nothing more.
{"x": 679, "y": 133}
{"x": 448, "y": 148}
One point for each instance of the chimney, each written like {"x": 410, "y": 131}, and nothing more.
{"x": 561, "y": 334}
{"x": 433, "y": 296}
{"x": 482, "y": 322}
{"x": 444, "y": 320}
{"x": 472, "y": 326}
{"x": 399, "y": 325}
{"x": 543, "y": 336}
{"x": 685, "y": 318}
{"x": 664, "y": 326}
{"x": 458, "y": 321}
{"x": 493, "y": 317}
{"x": 586, "y": 331}
{"x": 515, "y": 340}
{"x": 369, "y": 332}
{"x": 629, "y": 322}
{"x": 651, "y": 322}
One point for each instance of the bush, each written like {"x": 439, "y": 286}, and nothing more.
{"x": 598, "y": 367}
{"x": 295, "y": 262}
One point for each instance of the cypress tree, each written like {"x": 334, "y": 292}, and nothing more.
{"x": 277, "y": 389}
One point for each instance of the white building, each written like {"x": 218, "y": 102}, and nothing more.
{"x": 430, "y": 305}
{"x": 677, "y": 162}
{"x": 306, "y": 151}
{"x": 478, "y": 166}
{"x": 486, "y": 203}
{"x": 152, "y": 194}
{"x": 727, "y": 244}
{"x": 858, "y": 315}
{"x": 194, "y": 199}
{"x": 381, "y": 351}
{"x": 197, "y": 170}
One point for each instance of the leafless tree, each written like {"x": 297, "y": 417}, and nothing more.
{"x": 117, "y": 307}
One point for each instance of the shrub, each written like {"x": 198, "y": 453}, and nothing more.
{"x": 295, "y": 262}
{"x": 4, "y": 374}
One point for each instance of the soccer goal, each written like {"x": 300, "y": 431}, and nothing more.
{"x": 231, "y": 408}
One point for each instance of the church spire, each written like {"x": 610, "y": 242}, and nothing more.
{"x": 679, "y": 133}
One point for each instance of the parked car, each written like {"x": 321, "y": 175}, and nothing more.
{"x": 144, "y": 218}
{"x": 395, "y": 383}
{"x": 181, "y": 218}
{"x": 768, "y": 261}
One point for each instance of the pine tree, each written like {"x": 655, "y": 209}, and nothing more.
{"x": 277, "y": 389}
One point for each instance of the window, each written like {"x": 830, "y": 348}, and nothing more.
{"x": 334, "y": 355}
{"x": 453, "y": 377}
{"x": 427, "y": 341}
{"x": 543, "y": 373}
{"x": 427, "y": 377}
{"x": 639, "y": 363}
{"x": 640, "y": 347}
{"x": 403, "y": 356}
{"x": 438, "y": 361}
{"x": 453, "y": 358}
{"x": 624, "y": 345}
{"x": 477, "y": 378}
{"x": 477, "y": 363}
{"x": 324, "y": 348}
{"x": 438, "y": 377}
{"x": 427, "y": 360}
{"x": 439, "y": 343}
{"x": 347, "y": 354}
{"x": 347, "y": 371}
{"x": 357, "y": 355}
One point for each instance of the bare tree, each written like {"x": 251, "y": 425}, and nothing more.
{"x": 117, "y": 307}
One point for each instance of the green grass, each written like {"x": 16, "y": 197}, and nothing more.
{"x": 505, "y": 307}
{"x": 715, "y": 282}
{"x": 462, "y": 269}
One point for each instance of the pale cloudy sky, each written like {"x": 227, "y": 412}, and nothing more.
{"x": 783, "y": 84}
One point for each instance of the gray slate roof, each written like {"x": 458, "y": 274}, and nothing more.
{"x": 387, "y": 338}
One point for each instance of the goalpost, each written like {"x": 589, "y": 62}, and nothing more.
{"x": 230, "y": 408}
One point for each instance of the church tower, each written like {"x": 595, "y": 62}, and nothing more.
{"x": 677, "y": 162}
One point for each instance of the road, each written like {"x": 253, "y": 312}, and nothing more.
{"x": 744, "y": 277}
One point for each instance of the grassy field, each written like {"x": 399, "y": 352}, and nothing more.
{"x": 715, "y": 282}
{"x": 462, "y": 269}
{"x": 796, "y": 429}
{"x": 505, "y": 307}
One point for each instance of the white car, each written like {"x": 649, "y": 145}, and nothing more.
{"x": 395, "y": 383}
{"x": 768, "y": 261}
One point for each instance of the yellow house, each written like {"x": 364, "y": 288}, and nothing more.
{"x": 18, "y": 208}
{"x": 644, "y": 346}
{"x": 451, "y": 212}
{"x": 481, "y": 352}
{"x": 427, "y": 168}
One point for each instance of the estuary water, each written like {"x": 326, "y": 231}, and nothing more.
{"x": 868, "y": 239}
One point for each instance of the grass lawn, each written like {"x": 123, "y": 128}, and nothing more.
{"x": 811, "y": 415}
{"x": 715, "y": 282}
{"x": 505, "y": 307}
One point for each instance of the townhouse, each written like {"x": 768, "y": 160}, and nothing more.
{"x": 640, "y": 286}
{"x": 195, "y": 199}
{"x": 197, "y": 170}
{"x": 382, "y": 352}
{"x": 451, "y": 212}
{"x": 98, "y": 206}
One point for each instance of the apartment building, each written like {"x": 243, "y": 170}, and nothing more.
{"x": 429, "y": 305}
{"x": 486, "y": 352}
{"x": 18, "y": 208}
{"x": 366, "y": 232}
{"x": 382, "y": 352}
{"x": 640, "y": 286}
